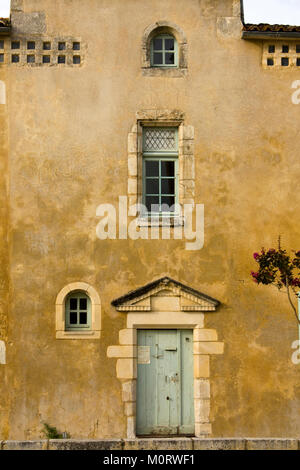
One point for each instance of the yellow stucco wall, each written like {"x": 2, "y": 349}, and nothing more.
{"x": 68, "y": 131}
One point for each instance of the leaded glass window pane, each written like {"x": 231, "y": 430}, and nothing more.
{"x": 160, "y": 139}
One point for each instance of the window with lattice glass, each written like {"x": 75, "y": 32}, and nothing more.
{"x": 78, "y": 311}
{"x": 160, "y": 170}
{"x": 164, "y": 51}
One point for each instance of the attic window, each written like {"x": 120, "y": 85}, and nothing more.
{"x": 271, "y": 49}
{"x": 285, "y": 49}
{"x": 164, "y": 51}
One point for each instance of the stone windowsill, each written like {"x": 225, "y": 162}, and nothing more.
{"x": 176, "y": 72}
{"x": 175, "y": 221}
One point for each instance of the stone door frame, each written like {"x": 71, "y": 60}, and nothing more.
{"x": 205, "y": 343}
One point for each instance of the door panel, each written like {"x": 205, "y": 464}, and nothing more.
{"x": 165, "y": 382}
{"x": 187, "y": 383}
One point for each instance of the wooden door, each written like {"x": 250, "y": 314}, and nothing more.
{"x": 165, "y": 403}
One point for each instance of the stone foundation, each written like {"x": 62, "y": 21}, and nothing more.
{"x": 179, "y": 444}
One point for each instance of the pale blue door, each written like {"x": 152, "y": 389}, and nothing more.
{"x": 165, "y": 404}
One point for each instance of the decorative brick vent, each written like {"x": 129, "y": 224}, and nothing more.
{"x": 281, "y": 55}
{"x": 37, "y": 52}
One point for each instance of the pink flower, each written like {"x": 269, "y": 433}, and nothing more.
{"x": 255, "y": 256}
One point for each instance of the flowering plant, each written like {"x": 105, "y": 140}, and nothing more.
{"x": 280, "y": 269}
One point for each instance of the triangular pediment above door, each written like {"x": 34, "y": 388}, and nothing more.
{"x": 165, "y": 294}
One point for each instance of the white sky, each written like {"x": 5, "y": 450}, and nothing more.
{"x": 272, "y": 11}
{"x": 256, "y": 11}
{"x": 4, "y": 8}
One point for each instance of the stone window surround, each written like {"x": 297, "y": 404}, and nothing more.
{"x": 205, "y": 343}
{"x": 164, "y": 27}
{"x": 160, "y": 118}
{"x": 95, "y": 331}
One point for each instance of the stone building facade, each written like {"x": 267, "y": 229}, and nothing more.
{"x": 93, "y": 95}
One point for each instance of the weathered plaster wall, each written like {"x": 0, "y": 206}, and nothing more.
{"x": 4, "y": 250}
{"x": 68, "y": 154}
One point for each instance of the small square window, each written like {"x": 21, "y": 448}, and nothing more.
{"x": 76, "y": 59}
{"x": 47, "y": 46}
{"x": 15, "y": 58}
{"x": 1, "y": 44}
{"x": 271, "y": 49}
{"x": 61, "y": 59}
{"x": 46, "y": 59}
{"x": 285, "y": 61}
{"x": 298, "y": 48}
{"x": 30, "y": 59}
{"x": 61, "y": 46}
{"x": 31, "y": 45}
{"x": 270, "y": 62}
{"x": 1, "y": 57}
{"x": 78, "y": 312}
{"x": 15, "y": 44}
{"x": 285, "y": 49}
{"x": 298, "y": 62}
{"x": 163, "y": 51}
{"x": 76, "y": 46}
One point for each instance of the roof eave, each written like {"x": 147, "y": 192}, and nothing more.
{"x": 5, "y": 30}
{"x": 270, "y": 35}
